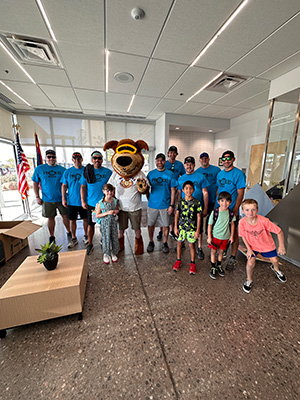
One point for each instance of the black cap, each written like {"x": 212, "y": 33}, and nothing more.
{"x": 229, "y": 152}
{"x": 76, "y": 154}
{"x": 189, "y": 159}
{"x": 173, "y": 148}
{"x": 204, "y": 155}
{"x": 160, "y": 155}
{"x": 52, "y": 152}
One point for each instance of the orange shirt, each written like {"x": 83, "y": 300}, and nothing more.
{"x": 259, "y": 236}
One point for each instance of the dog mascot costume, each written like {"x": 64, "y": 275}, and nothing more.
{"x": 130, "y": 183}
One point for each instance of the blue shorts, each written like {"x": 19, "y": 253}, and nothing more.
{"x": 266, "y": 254}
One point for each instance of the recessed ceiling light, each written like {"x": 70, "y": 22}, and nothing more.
{"x": 124, "y": 77}
{"x": 177, "y": 127}
{"x": 210, "y": 130}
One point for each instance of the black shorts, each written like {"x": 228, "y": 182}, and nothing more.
{"x": 73, "y": 212}
{"x": 89, "y": 215}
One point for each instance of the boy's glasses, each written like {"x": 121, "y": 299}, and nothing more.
{"x": 226, "y": 158}
{"x": 97, "y": 158}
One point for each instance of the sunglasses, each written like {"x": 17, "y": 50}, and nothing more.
{"x": 226, "y": 158}
{"x": 97, "y": 158}
{"x": 51, "y": 157}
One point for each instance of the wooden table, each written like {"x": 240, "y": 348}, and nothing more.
{"x": 34, "y": 294}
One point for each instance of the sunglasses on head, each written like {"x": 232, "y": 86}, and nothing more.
{"x": 226, "y": 158}
{"x": 97, "y": 158}
{"x": 51, "y": 157}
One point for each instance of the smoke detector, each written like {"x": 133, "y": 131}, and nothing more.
{"x": 123, "y": 77}
{"x": 226, "y": 83}
{"x": 137, "y": 13}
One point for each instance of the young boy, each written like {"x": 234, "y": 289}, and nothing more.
{"x": 187, "y": 224}
{"x": 220, "y": 232}
{"x": 255, "y": 231}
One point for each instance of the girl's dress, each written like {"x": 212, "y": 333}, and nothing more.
{"x": 109, "y": 227}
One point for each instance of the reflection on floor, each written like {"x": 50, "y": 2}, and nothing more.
{"x": 150, "y": 333}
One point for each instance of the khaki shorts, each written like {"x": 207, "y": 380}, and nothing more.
{"x": 135, "y": 218}
{"x": 49, "y": 209}
{"x": 161, "y": 216}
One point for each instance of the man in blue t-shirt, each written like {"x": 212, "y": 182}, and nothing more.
{"x": 177, "y": 168}
{"x": 210, "y": 172}
{"x": 92, "y": 181}
{"x": 200, "y": 193}
{"x": 161, "y": 200}
{"x": 233, "y": 181}
{"x": 71, "y": 198}
{"x": 49, "y": 176}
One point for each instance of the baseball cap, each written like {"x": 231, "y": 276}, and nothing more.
{"x": 229, "y": 152}
{"x": 160, "y": 155}
{"x": 173, "y": 148}
{"x": 52, "y": 152}
{"x": 204, "y": 155}
{"x": 76, "y": 154}
{"x": 189, "y": 159}
{"x": 96, "y": 153}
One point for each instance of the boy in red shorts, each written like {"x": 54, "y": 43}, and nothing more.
{"x": 255, "y": 231}
{"x": 220, "y": 232}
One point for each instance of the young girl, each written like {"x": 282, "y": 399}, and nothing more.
{"x": 106, "y": 210}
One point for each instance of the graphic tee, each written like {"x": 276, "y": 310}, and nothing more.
{"x": 50, "y": 178}
{"x": 199, "y": 181}
{"x": 188, "y": 211}
{"x": 71, "y": 178}
{"x": 259, "y": 236}
{"x": 177, "y": 168}
{"x": 230, "y": 182}
{"x": 161, "y": 183}
{"x": 210, "y": 174}
{"x": 94, "y": 190}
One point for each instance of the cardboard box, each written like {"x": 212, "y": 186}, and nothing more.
{"x": 13, "y": 237}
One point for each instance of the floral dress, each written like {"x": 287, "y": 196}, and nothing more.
{"x": 109, "y": 227}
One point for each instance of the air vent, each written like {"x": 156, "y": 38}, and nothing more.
{"x": 6, "y": 99}
{"x": 32, "y": 50}
{"x": 124, "y": 116}
{"x": 226, "y": 83}
{"x": 57, "y": 111}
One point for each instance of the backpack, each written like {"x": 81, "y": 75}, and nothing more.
{"x": 216, "y": 215}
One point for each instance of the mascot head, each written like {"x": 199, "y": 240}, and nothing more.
{"x": 128, "y": 159}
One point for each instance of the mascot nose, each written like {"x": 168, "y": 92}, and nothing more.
{"x": 124, "y": 161}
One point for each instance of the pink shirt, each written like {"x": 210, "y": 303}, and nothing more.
{"x": 259, "y": 236}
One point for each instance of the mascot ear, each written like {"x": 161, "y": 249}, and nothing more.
{"x": 112, "y": 144}
{"x": 140, "y": 144}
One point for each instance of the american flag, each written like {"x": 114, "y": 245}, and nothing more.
{"x": 22, "y": 167}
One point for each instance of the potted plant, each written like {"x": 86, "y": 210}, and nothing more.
{"x": 49, "y": 255}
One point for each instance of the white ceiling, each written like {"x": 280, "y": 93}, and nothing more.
{"x": 262, "y": 43}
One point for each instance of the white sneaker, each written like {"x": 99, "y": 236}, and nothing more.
{"x": 114, "y": 258}
{"x": 106, "y": 259}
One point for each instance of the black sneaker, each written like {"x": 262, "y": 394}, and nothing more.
{"x": 165, "y": 248}
{"x": 279, "y": 274}
{"x": 51, "y": 239}
{"x": 231, "y": 264}
{"x": 172, "y": 234}
{"x": 221, "y": 271}
{"x": 85, "y": 240}
{"x": 247, "y": 286}
{"x": 90, "y": 249}
{"x": 150, "y": 247}
{"x": 200, "y": 253}
{"x": 159, "y": 236}
{"x": 72, "y": 243}
{"x": 213, "y": 273}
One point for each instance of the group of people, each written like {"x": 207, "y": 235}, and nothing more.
{"x": 179, "y": 198}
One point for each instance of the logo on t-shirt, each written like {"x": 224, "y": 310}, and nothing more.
{"x": 255, "y": 233}
{"x": 52, "y": 174}
{"x": 76, "y": 177}
{"x": 159, "y": 181}
{"x": 99, "y": 177}
{"x": 126, "y": 184}
{"x": 223, "y": 182}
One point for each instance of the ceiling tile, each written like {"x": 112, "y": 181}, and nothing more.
{"x": 91, "y": 99}
{"x": 210, "y": 110}
{"x": 117, "y": 103}
{"x": 30, "y": 92}
{"x": 231, "y": 112}
{"x": 14, "y": 72}
{"x": 282, "y": 68}
{"x": 61, "y": 97}
{"x": 143, "y": 105}
{"x": 256, "y": 101}
{"x": 167, "y": 105}
{"x": 190, "y": 108}
{"x": 48, "y": 76}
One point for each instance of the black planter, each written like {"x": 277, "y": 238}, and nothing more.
{"x": 52, "y": 264}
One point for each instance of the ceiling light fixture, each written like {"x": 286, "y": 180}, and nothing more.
{"x": 21, "y": 98}
{"x": 106, "y": 70}
{"x": 177, "y": 127}
{"x": 210, "y": 130}
{"x": 132, "y": 99}
{"x": 205, "y": 86}
{"x": 222, "y": 29}
{"x": 47, "y": 22}
{"x": 17, "y": 62}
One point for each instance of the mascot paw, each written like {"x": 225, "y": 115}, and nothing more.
{"x": 142, "y": 185}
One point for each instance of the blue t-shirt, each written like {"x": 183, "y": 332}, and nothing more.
{"x": 177, "y": 168}
{"x": 210, "y": 174}
{"x": 161, "y": 183}
{"x": 230, "y": 182}
{"x": 71, "y": 178}
{"x": 94, "y": 190}
{"x": 199, "y": 181}
{"x": 50, "y": 178}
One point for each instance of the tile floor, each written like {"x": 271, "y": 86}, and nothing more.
{"x": 150, "y": 333}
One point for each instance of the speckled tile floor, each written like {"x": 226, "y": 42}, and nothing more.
{"x": 149, "y": 333}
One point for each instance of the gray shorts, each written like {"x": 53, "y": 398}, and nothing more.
{"x": 135, "y": 218}
{"x": 160, "y": 216}
{"x": 49, "y": 209}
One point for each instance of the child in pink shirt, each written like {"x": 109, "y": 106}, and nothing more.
{"x": 255, "y": 231}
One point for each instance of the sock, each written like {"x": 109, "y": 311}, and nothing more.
{"x": 178, "y": 259}
{"x": 232, "y": 257}
{"x": 192, "y": 262}
{"x": 219, "y": 263}
{"x": 213, "y": 265}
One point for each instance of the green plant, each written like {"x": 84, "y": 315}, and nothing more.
{"x": 48, "y": 252}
